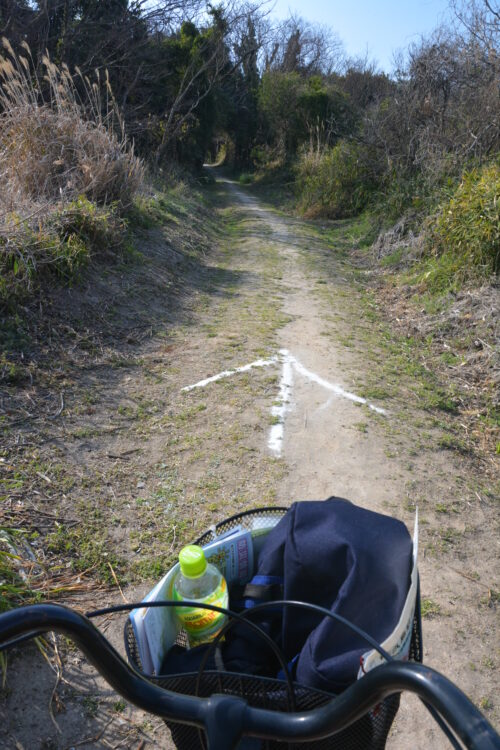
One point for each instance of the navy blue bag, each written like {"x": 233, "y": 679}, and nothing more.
{"x": 352, "y": 561}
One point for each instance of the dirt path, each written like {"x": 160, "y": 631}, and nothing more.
{"x": 324, "y": 448}
{"x": 334, "y": 445}
{"x": 294, "y": 415}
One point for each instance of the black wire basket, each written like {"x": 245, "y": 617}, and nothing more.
{"x": 367, "y": 733}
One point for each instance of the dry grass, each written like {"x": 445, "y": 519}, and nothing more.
{"x": 60, "y": 136}
{"x": 63, "y": 153}
{"x": 26, "y": 578}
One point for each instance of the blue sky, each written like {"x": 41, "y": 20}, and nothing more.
{"x": 379, "y": 26}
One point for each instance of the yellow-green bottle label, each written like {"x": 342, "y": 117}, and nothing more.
{"x": 202, "y": 625}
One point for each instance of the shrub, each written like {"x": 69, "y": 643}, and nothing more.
{"x": 56, "y": 144}
{"x": 337, "y": 182}
{"x": 464, "y": 236}
{"x": 60, "y": 246}
{"x": 246, "y": 178}
{"x": 98, "y": 227}
{"x": 66, "y": 170}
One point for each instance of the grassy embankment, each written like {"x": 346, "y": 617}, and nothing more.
{"x": 67, "y": 177}
{"x": 75, "y": 212}
{"x": 66, "y": 350}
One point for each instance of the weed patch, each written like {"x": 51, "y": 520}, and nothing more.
{"x": 337, "y": 182}
{"x": 429, "y": 608}
{"x": 464, "y": 236}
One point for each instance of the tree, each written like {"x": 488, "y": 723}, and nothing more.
{"x": 15, "y": 17}
{"x": 302, "y": 47}
{"x": 278, "y": 98}
{"x": 481, "y": 19}
{"x": 244, "y": 114}
{"x": 364, "y": 84}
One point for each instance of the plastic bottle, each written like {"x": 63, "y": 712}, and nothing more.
{"x": 199, "y": 581}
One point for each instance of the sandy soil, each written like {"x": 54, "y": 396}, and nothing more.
{"x": 273, "y": 287}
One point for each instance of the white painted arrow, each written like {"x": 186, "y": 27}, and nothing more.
{"x": 228, "y": 373}
{"x": 279, "y": 410}
{"x": 275, "y": 441}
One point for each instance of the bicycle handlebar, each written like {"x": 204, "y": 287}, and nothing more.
{"x": 225, "y": 719}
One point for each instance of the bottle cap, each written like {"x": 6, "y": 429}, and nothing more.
{"x": 192, "y": 560}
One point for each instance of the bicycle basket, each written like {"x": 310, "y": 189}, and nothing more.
{"x": 368, "y": 733}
